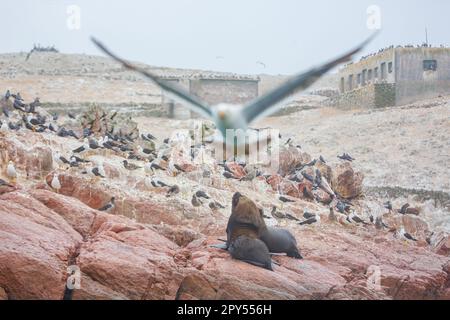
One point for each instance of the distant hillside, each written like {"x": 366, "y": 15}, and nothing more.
{"x": 75, "y": 80}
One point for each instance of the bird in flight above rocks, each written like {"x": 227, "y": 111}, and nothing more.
{"x": 228, "y": 116}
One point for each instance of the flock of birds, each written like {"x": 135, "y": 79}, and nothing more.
{"x": 223, "y": 115}
{"x": 423, "y": 45}
{"x": 18, "y": 115}
{"x": 27, "y": 117}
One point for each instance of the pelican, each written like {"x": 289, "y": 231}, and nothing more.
{"x": 228, "y": 116}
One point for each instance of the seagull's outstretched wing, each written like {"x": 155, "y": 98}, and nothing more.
{"x": 270, "y": 102}
{"x": 175, "y": 91}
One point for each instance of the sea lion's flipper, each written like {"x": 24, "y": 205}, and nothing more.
{"x": 277, "y": 254}
{"x": 295, "y": 255}
{"x": 258, "y": 264}
{"x": 276, "y": 263}
{"x": 222, "y": 246}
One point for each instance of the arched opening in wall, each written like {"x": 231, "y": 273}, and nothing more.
{"x": 429, "y": 65}
{"x": 342, "y": 85}
{"x": 383, "y": 71}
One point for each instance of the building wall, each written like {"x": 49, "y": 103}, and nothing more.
{"x": 413, "y": 82}
{"x": 374, "y": 95}
{"x": 174, "y": 109}
{"x": 214, "y": 91}
{"x": 365, "y": 67}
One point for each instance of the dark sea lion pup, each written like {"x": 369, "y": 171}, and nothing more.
{"x": 280, "y": 241}
{"x": 243, "y": 231}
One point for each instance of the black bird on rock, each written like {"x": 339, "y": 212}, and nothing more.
{"x": 388, "y": 205}
{"x": 346, "y": 157}
{"x": 175, "y": 189}
{"x": 404, "y": 208}
{"x": 342, "y": 206}
{"x": 19, "y": 105}
{"x": 158, "y": 183}
{"x": 202, "y": 194}
{"x": 109, "y": 206}
{"x": 285, "y": 200}
{"x": 130, "y": 166}
{"x": 148, "y": 137}
{"x": 71, "y": 115}
{"x": 310, "y": 221}
{"x": 308, "y": 215}
{"x": 214, "y": 205}
{"x": 33, "y": 105}
{"x": 3, "y": 183}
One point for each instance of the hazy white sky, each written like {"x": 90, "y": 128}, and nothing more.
{"x": 225, "y": 35}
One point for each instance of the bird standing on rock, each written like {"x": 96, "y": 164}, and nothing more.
{"x": 109, "y": 206}
{"x": 379, "y": 224}
{"x": 346, "y": 157}
{"x": 310, "y": 221}
{"x": 11, "y": 171}
{"x": 214, "y": 205}
{"x": 195, "y": 201}
{"x": 3, "y": 183}
{"x": 4, "y": 127}
{"x": 130, "y": 166}
{"x": 202, "y": 194}
{"x": 55, "y": 183}
{"x": 388, "y": 205}
{"x": 96, "y": 172}
{"x": 277, "y": 214}
{"x": 285, "y": 200}
{"x": 353, "y": 217}
{"x": 331, "y": 215}
{"x": 405, "y": 235}
{"x": 158, "y": 183}
{"x": 308, "y": 215}
{"x": 402, "y": 210}
{"x": 175, "y": 189}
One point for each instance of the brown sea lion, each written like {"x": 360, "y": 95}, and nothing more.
{"x": 244, "y": 228}
{"x": 245, "y": 219}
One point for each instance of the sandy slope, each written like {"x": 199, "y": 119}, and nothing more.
{"x": 406, "y": 146}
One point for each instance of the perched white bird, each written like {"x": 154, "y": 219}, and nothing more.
{"x": 148, "y": 183}
{"x": 101, "y": 169}
{"x": 4, "y": 127}
{"x": 55, "y": 184}
{"x": 405, "y": 235}
{"x": 227, "y": 116}
{"x": 148, "y": 168}
{"x": 11, "y": 171}
{"x": 59, "y": 159}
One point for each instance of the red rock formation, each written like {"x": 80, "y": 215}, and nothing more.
{"x": 154, "y": 247}
{"x": 290, "y": 158}
{"x": 36, "y": 245}
{"x": 346, "y": 182}
{"x": 43, "y": 232}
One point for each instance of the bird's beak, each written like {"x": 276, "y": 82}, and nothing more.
{"x": 221, "y": 115}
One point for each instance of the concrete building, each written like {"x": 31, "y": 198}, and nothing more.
{"x": 395, "y": 76}
{"x": 212, "y": 88}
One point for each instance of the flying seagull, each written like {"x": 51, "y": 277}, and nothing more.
{"x": 227, "y": 116}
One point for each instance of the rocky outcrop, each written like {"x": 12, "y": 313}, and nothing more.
{"x": 155, "y": 246}
{"x": 43, "y": 232}
{"x": 37, "y": 244}
{"x": 346, "y": 182}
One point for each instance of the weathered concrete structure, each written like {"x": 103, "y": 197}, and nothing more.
{"x": 213, "y": 88}
{"x": 395, "y": 76}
